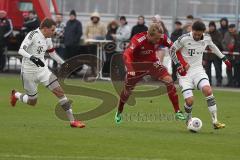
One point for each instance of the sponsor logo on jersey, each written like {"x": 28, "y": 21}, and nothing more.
{"x": 141, "y": 39}
{"x": 193, "y": 52}
{"x": 146, "y": 52}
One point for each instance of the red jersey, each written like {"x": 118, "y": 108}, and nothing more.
{"x": 141, "y": 50}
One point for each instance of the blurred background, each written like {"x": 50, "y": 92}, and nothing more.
{"x": 86, "y": 20}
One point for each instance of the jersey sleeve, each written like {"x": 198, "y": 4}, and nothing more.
{"x": 128, "y": 53}
{"x": 214, "y": 48}
{"x": 167, "y": 41}
{"x": 28, "y": 40}
{"x": 175, "y": 53}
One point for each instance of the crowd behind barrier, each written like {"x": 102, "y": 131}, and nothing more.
{"x": 71, "y": 39}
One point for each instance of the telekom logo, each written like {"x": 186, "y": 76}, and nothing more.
{"x": 146, "y": 52}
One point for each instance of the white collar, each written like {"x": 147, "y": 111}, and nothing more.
{"x": 40, "y": 33}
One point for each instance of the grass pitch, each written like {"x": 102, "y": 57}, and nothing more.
{"x": 148, "y": 132}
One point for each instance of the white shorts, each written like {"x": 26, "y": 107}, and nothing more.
{"x": 195, "y": 79}
{"x": 31, "y": 80}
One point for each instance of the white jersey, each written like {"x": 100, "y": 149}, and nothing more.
{"x": 192, "y": 51}
{"x": 35, "y": 44}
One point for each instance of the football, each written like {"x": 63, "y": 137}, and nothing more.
{"x": 194, "y": 124}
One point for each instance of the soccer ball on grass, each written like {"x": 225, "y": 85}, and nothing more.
{"x": 194, "y": 124}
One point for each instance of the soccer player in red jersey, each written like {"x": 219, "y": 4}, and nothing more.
{"x": 140, "y": 59}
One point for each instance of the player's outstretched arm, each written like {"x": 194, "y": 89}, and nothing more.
{"x": 217, "y": 52}
{"x": 54, "y": 56}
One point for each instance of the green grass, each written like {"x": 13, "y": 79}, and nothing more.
{"x": 36, "y": 133}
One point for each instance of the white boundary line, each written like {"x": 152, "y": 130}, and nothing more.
{"x": 73, "y": 157}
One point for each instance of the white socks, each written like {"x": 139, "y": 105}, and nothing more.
{"x": 212, "y": 107}
{"x": 21, "y": 97}
{"x": 66, "y": 105}
{"x": 70, "y": 115}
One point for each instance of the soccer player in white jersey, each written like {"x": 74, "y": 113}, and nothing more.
{"x": 192, "y": 46}
{"x": 35, "y": 71}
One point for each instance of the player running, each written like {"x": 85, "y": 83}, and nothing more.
{"x": 35, "y": 71}
{"x": 192, "y": 46}
{"x": 142, "y": 49}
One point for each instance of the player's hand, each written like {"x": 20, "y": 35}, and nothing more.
{"x": 37, "y": 61}
{"x": 181, "y": 70}
{"x": 227, "y": 62}
{"x": 131, "y": 73}
{"x": 186, "y": 67}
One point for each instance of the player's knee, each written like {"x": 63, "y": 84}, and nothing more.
{"x": 189, "y": 101}
{"x": 32, "y": 102}
{"x": 58, "y": 92}
{"x": 207, "y": 90}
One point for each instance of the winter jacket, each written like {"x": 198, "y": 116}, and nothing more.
{"x": 217, "y": 38}
{"x": 95, "y": 31}
{"x": 6, "y": 29}
{"x": 176, "y": 34}
{"x": 123, "y": 34}
{"x": 72, "y": 32}
{"x": 138, "y": 28}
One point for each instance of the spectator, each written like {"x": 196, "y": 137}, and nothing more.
{"x": 72, "y": 35}
{"x": 190, "y": 19}
{"x": 111, "y": 29}
{"x": 121, "y": 37}
{"x": 6, "y": 29}
{"x": 139, "y": 27}
{"x": 178, "y": 31}
{"x": 156, "y": 19}
{"x": 231, "y": 43}
{"x": 123, "y": 34}
{"x": 212, "y": 58}
{"x": 31, "y": 22}
{"x": 57, "y": 38}
{"x": 223, "y": 26}
{"x": 95, "y": 29}
{"x": 188, "y": 26}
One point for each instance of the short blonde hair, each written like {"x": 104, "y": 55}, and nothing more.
{"x": 155, "y": 29}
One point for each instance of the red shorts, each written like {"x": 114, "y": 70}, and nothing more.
{"x": 156, "y": 71}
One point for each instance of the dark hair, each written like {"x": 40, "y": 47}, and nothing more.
{"x": 141, "y": 16}
{"x": 190, "y": 16}
{"x": 123, "y": 18}
{"x": 47, "y": 22}
{"x": 73, "y": 12}
{"x": 198, "y": 26}
{"x": 212, "y": 23}
{"x": 178, "y": 22}
{"x": 232, "y": 26}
